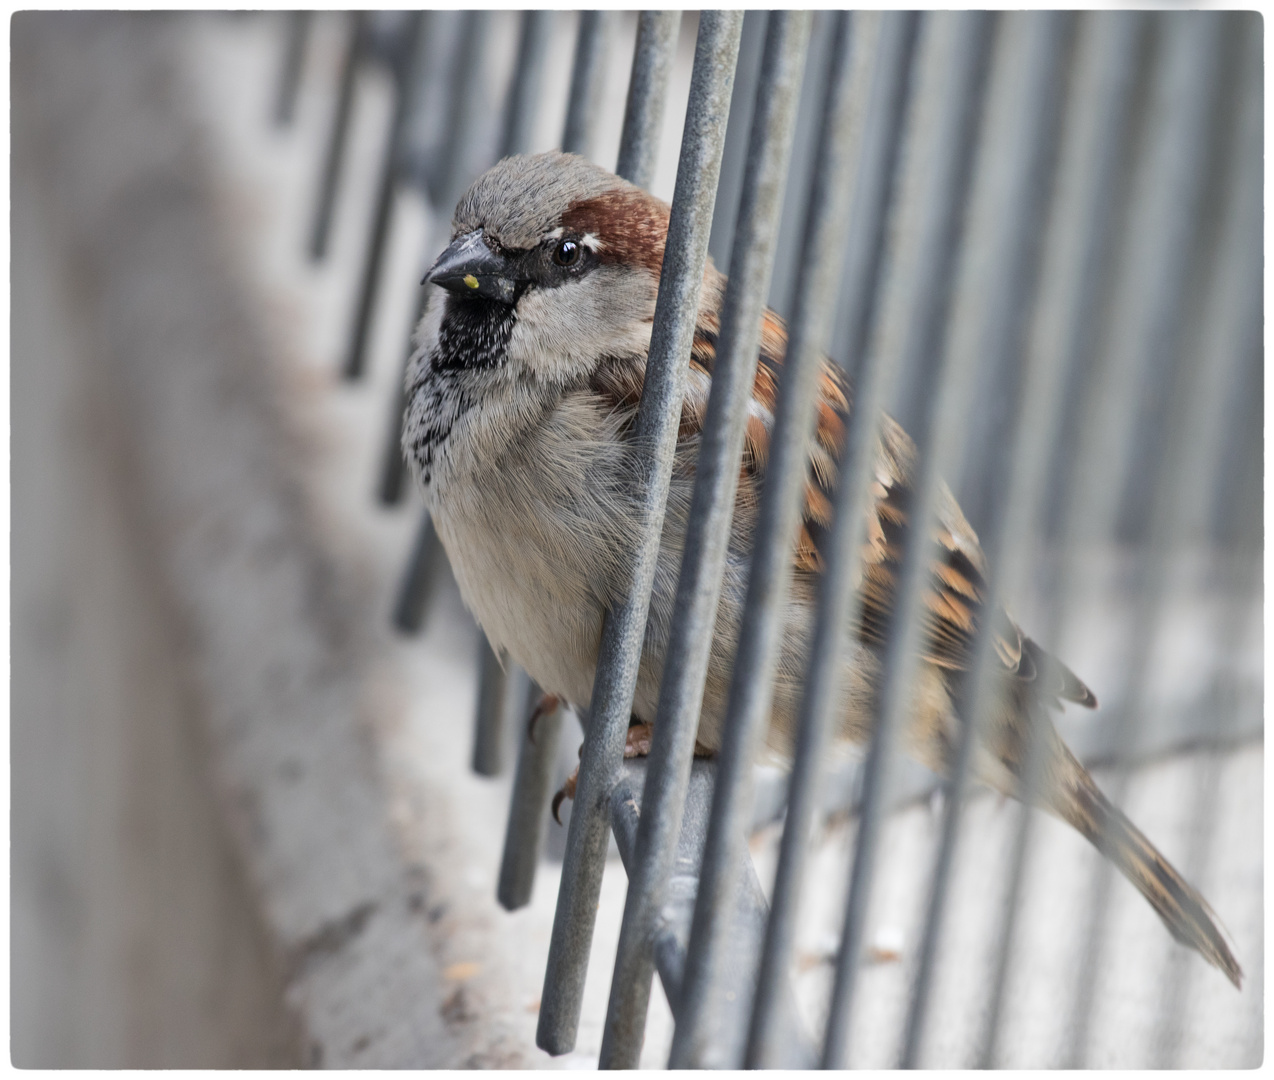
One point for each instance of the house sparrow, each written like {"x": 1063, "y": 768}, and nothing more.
{"x": 522, "y": 401}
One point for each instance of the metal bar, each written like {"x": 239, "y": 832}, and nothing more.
{"x": 738, "y": 129}
{"x": 1184, "y": 95}
{"x": 788, "y": 253}
{"x": 707, "y": 537}
{"x": 523, "y": 101}
{"x": 1231, "y": 340}
{"x": 1078, "y": 278}
{"x": 696, "y": 1032}
{"x": 924, "y": 352}
{"x": 587, "y": 77}
{"x": 647, "y": 95}
{"x": 393, "y": 470}
{"x": 321, "y": 230}
{"x": 498, "y": 689}
{"x": 449, "y": 182}
{"x": 355, "y": 358}
{"x": 529, "y": 803}
{"x": 657, "y": 422}
{"x": 867, "y": 217}
{"x": 526, "y": 814}
{"x": 1027, "y": 152}
{"x": 671, "y": 931}
{"x": 420, "y": 578}
{"x": 298, "y": 36}
{"x": 528, "y": 806}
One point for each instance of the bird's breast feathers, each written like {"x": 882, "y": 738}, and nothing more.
{"x": 531, "y": 499}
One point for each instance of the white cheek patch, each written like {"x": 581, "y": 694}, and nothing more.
{"x": 563, "y": 332}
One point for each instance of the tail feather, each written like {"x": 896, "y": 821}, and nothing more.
{"x": 1186, "y": 914}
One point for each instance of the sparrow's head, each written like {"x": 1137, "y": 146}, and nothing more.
{"x": 562, "y": 256}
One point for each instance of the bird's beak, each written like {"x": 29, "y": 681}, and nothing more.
{"x": 469, "y": 268}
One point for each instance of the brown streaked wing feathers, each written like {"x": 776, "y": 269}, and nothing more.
{"x": 957, "y": 582}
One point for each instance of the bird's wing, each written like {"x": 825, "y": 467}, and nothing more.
{"x": 957, "y": 585}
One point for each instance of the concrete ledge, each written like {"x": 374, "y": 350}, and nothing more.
{"x": 271, "y": 621}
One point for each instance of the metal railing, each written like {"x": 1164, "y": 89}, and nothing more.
{"x": 1034, "y": 240}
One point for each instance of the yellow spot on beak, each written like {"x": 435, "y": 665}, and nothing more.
{"x": 471, "y": 281}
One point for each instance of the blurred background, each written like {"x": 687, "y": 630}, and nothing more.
{"x": 247, "y": 828}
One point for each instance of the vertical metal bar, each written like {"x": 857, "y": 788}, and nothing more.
{"x": 647, "y": 95}
{"x": 788, "y": 253}
{"x": 298, "y": 36}
{"x": 587, "y": 78}
{"x": 393, "y": 470}
{"x": 867, "y": 216}
{"x": 448, "y": 183}
{"x": 696, "y": 1027}
{"x": 623, "y": 628}
{"x": 500, "y": 691}
{"x": 528, "y": 806}
{"x": 1185, "y": 93}
{"x": 747, "y": 902}
{"x": 535, "y": 758}
{"x": 707, "y": 537}
{"x": 1022, "y": 203}
{"x": 420, "y": 578}
{"x": 404, "y": 82}
{"x": 1081, "y": 251}
{"x": 924, "y": 352}
{"x": 737, "y": 131}
{"x": 1231, "y": 340}
{"x": 523, "y": 100}
{"x": 321, "y": 230}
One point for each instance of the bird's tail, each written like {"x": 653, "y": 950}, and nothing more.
{"x": 1186, "y": 914}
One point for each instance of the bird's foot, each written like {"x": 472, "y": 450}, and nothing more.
{"x": 636, "y": 744}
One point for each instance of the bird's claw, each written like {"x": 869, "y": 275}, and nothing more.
{"x": 636, "y": 744}
{"x": 567, "y": 791}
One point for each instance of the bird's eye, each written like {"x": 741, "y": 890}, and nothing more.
{"x": 566, "y": 253}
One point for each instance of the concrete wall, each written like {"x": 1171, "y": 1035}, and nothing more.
{"x": 202, "y": 869}
{"x": 136, "y": 941}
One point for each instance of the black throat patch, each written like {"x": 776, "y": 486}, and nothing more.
{"x": 474, "y": 335}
